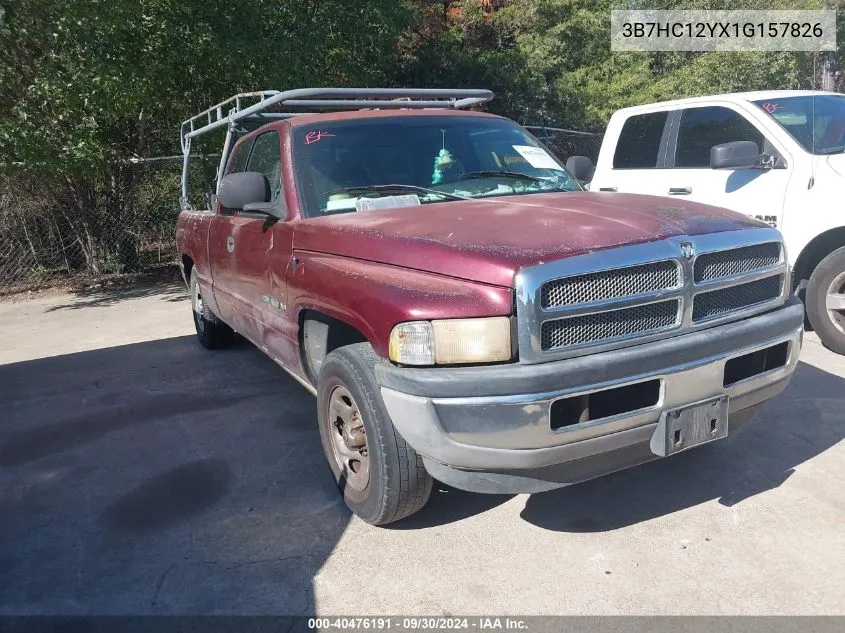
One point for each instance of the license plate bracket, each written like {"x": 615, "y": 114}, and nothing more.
{"x": 691, "y": 425}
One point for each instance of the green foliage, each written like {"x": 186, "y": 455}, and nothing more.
{"x": 87, "y": 84}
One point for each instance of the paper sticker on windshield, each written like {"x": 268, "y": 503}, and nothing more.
{"x": 537, "y": 157}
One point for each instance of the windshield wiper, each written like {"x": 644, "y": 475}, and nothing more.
{"x": 835, "y": 150}
{"x": 474, "y": 175}
{"x": 397, "y": 189}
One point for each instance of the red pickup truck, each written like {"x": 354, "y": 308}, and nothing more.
{"x": 462, "y": 309}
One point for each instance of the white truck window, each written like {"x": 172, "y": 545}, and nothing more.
{"x": 639, "y": 142}
{"x": 702, "y": 128}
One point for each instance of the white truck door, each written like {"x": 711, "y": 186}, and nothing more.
{"x": 755, "y": 192}
{"x": 632, "y": 154}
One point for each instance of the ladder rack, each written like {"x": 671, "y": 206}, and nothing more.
{"x": 236, "y": 109}
{"x": 264, "y": 105}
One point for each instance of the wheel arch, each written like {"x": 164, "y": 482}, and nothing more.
{"x": 187, "y": 265}
{"x": 815, "y": 251}
{"x": 321, "y": 333}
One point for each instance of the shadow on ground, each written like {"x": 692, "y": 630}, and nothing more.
{"x": 168, "y": 289}
{"x": 801, "y": 423}
{"x": 161, "y": 478}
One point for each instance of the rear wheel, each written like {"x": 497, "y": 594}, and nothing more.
{"x": 211, "y": 331}
{"x": 381, "y": 477}
{"x": 825, "y": 301}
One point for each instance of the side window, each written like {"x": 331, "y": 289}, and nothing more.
{"x": 266, "y": 158}
{"x": 702, "y": 128}
{"x": 638, "y": 146}
{"x": 237, "y": 161}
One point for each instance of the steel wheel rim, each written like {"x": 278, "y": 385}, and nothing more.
{"x": 348, "y": 439}
{"x": 835, "y": 302}
{"x": 198, "y": 308}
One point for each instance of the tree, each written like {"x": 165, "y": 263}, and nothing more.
{"x": 87, "y": 84}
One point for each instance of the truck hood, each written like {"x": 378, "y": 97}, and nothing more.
{"x": 488, "y": 240}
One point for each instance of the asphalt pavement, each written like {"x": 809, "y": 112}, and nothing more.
{"x": 142, "y": 474}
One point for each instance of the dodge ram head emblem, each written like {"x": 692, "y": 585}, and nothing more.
{"x": 687, "y": 250}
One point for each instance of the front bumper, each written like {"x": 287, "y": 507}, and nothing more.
{"x": 489, "y": 429}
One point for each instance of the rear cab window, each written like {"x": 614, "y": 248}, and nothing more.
{"x": 639, "y": 141}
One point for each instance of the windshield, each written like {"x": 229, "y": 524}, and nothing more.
{"x": 424, "y": 158}
{"x": 817, "y": 123}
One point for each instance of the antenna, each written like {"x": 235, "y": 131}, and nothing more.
{"x": 813, "y": 156}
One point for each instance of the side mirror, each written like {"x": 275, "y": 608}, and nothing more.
{"x": 735, "y": 155}
{"x": 581, "y": 167}
{"x": 247, "y": 191}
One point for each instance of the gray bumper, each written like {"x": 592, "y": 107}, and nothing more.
{"x": 488, "y": 428}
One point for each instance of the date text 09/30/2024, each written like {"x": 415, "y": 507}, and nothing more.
{"x": 418, "y": 623}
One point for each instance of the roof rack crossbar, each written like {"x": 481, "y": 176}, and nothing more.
{"x": 217, "y": 115}
{"x": 381, "y": 104}
{"x": 233, "y": 109}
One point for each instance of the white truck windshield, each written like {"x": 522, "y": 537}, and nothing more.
{"x": 816, "y": 122}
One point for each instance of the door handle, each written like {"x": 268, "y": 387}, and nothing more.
{"x": 607, "y": 188}
{"x": 230, "y": 243}
{"x": 680, "y": 191}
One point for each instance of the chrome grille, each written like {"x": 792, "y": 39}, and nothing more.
{"x": 736, "y": 261}
{"x": 717, "y": 302}
{"x": 616, "y": 324}
{"x": 610, "y": 284}
{"x": 610, "y": 298}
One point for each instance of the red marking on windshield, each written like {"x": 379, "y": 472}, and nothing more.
{"x": 771, "y": 108}
{"x": 315, "y": 135}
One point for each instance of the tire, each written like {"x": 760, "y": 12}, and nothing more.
{"x": 211, "y": 331}
{"x": 827, "y": 284}
{"x": 396, "y": 484}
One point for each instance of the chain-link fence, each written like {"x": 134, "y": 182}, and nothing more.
{"x": 53, "y": 233}
{"x": 72, "y": 231}
{"x": 565, "y": 143}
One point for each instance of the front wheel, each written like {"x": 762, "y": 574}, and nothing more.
{"x": 381, "y": 477}
{"x": 825, "y": 301}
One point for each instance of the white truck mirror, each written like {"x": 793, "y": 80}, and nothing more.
{"x": 735, "y": 155}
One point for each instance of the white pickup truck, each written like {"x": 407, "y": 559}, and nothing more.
{"x": 778, "y": 156}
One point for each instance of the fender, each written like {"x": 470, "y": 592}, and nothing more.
{"x": 192, "y": 229}
{"x": 374, "y": 297}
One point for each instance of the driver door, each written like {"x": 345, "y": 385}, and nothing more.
{"x": 755, "y": 192}
{"x": 263, "y": 247}
{"x": 220, "y": 244}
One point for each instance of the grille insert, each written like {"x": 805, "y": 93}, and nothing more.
{"x": 736, "y": 261}
{"x": 610, "y": 284}
{"x": 718, "y": 302}
{"x": 604, "y": 326}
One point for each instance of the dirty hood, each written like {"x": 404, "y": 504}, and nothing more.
{"x": 488, "y": 240}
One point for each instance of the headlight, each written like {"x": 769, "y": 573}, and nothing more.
{"x": 451, "y": 341}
